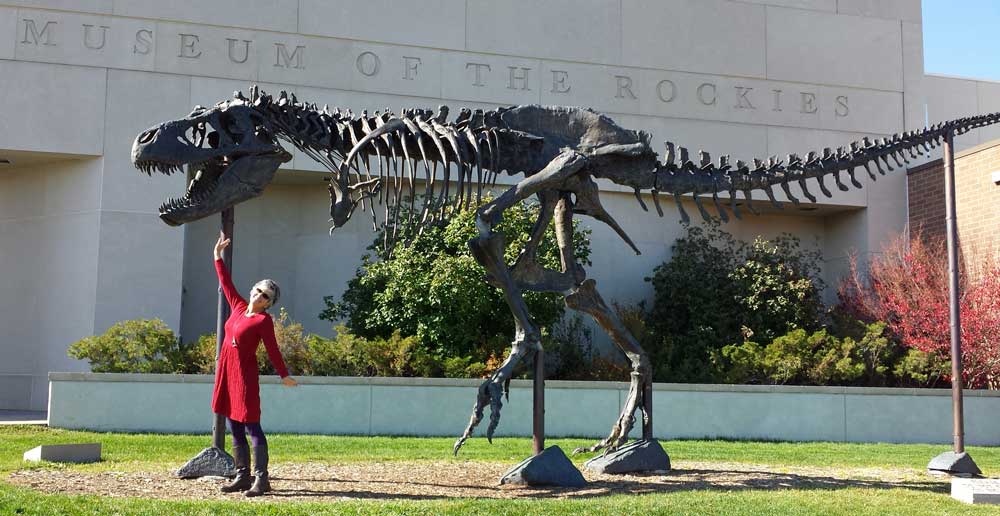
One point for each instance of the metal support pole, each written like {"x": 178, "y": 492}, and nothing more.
{"x": 647, "y": 408}
{"x": 955, "y": 462}
{"x": 222, "y": 314}
{"x": 538, "y": 403}
{"x": 953, "y": 294}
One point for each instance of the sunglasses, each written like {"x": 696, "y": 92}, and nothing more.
{"x": 262, "y": 293}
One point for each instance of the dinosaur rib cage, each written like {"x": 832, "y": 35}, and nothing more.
{"x": 399, "y": 144}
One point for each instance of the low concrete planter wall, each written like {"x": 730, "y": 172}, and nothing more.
{"x": 441, "y": 407}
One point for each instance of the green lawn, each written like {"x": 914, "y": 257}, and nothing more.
{"x": 158, "y": 452}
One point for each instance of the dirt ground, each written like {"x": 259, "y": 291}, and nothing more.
{"x": 435, "y": 480}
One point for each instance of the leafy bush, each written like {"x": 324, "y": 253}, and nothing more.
{"x": 716, "y": 291}
{"x": 803, "y": 358}
{"x": 907, "y": 286}
{"x": 134, "y": 346}
{"x": 433, "y": 289}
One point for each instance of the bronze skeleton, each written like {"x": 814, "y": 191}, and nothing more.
{"x": 233, "y": 149}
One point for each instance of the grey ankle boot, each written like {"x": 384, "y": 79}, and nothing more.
{"x": 261, "y": 482}
{"x": 242, "y": 481}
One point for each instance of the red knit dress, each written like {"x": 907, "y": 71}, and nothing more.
{"x": 237, "y": 386}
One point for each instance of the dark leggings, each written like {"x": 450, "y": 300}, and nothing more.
{"x": 240, "y": 430}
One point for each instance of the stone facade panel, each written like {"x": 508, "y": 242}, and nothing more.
{"x": 575, "y": 30}
{"x": 949, "y": 98}
{"x": 429, "y": 23}
{"x": 276, "y": 15}
{"x": 394, "y": 69}
{"x": 295, "y": 59}
{"x": 701, "y": 36}
{"x": 82, "y": 6}
{"x": 988, "y": 94}
{"x": 913, "y": 76}
{"x": 906, "y": 10}
{"x": 487, "y": 78}
{"x": 821, "y": 48}
{"x": 8, "y": 32}
{"x": 137, "y": 101}
{"x": 82, "y": 39}
{"x": 201, "y": 50}
{"x": 829, "y": 6}
{"x": 35, "y": 94}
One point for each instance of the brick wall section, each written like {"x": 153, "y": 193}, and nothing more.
{"x": 977, "y": 202}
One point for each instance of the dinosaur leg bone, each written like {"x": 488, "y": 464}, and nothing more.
{"x": 488, "y": 250}
{"x": 560, "y": 168}
{"x": 586, "y": 299}
{"x": 526, "y": 271}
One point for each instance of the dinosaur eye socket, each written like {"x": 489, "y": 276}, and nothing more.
{"x": 231, "y": 127}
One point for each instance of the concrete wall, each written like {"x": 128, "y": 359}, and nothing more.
{"x": 80, "y": 78}
{"x": 440, "y": 407}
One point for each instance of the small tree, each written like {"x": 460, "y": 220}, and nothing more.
{"x": 907, "y": 286}
{"x": 433, "y": 288}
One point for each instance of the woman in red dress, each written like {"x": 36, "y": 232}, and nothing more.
{"x": 237, "y": 386}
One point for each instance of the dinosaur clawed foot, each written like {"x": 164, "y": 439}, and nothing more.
{"x": 490, "y": 393}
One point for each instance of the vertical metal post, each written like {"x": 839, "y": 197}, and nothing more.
{"x": 538, "y": 403}
{"x": 953, "y": 294}
{"x": 222, "y": 314}
{"x": 647, "y": 408}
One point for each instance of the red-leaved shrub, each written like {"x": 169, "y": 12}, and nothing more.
{"x": 907, "y": 287}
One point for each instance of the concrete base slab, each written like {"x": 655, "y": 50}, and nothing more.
{"x": 550, "y": 468}
{"x": 976, "y": 490}
{"x": 79, "y": 453}
{"x": 637, "y": 456}
{"x": 211, "y": 462}
{"x": 954, "y": 464}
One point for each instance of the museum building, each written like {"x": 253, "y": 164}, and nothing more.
{"x": 82, "y": 247}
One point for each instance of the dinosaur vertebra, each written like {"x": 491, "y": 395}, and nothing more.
{"x": 233, "y": 150}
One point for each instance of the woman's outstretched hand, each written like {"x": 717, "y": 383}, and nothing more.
{"x": 221, "y": 245}
{"x": 289, "y": 381}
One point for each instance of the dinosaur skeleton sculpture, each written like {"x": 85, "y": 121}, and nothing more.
{"x": 232, "y": 151}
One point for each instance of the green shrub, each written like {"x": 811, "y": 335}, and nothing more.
{"x": 921, "y": 369}
{"x": 134, "y": 346}
{"x": 433, "y": 289}
{"x": 716, "y": 290}
{"x": 778, "y": 287}
{"x": 802, "y": 358}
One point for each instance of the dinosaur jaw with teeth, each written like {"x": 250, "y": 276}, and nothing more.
{"x": 215, "y": 184}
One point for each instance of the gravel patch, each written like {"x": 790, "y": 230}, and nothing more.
{"x": 437, "y": 480}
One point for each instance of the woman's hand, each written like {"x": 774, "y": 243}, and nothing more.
{"x": 221, "y": 245}
{"x": 289, "y": 381}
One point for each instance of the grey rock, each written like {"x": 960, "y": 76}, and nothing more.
{"x": 638, "y": 456}
{"x": 79, "y": 453}
{"x": 210, "y": 462}
{"x": 954, "y": 464}
{"x": 549, "y": 468}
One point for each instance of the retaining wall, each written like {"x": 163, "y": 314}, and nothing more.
{"x": 441, "y": 407}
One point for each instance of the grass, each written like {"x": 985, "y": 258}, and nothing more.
{"x": 155, "y": 452}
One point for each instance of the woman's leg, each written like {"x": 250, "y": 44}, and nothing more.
{"x": 241, "y": 458}
{"x": 239, "y": 431}
{"x": 261, "y": 483}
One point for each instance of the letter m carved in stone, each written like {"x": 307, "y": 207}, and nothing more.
{"x": 284, "y": 60}
{"x": 31, "y": 30}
